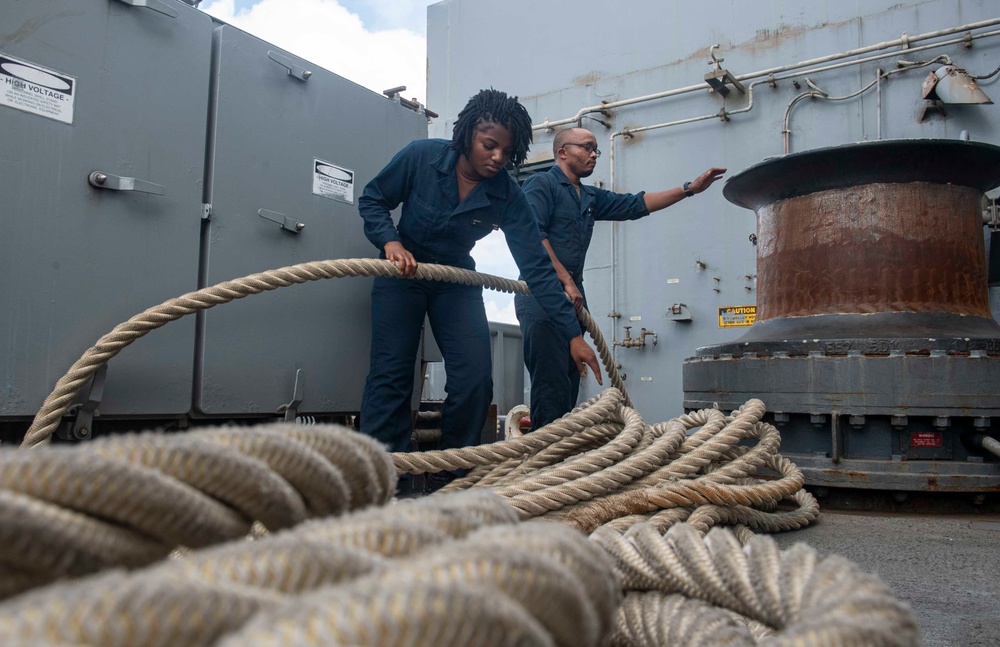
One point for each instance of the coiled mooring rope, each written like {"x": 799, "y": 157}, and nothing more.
{"x": 601, "y": 464}
{"x": 683, "y": 583}
{"x": 455, "y": 570}
{"x": 458, "y": 569}
{"x": 420, "y": 573}
{"x": 450, "y": 569}
{"x": 129, "y": 500}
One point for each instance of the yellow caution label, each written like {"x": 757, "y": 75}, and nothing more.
{"x": 733, "y": 316}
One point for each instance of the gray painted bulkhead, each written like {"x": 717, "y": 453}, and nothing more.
{"x": 77, "y": 260}
{"x": 212, "y": 115}
{"x": 269, "y": 129}
{"x": 568, "y": 55}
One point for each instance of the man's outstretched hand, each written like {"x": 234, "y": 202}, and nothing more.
{"x": 706, "y": 179}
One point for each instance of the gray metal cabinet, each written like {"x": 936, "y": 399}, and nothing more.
{"x": 278, "y": 121}
{"x": 99, "y": 86}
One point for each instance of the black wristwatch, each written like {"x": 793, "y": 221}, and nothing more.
{"x": 687, "y": 191}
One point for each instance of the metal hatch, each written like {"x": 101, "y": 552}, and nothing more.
{"x": 101, "y": 194}
{"x": 277, "y": 118}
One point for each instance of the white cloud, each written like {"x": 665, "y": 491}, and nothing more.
{"x": 499, "y": 307}
{"x": 325, "y": 33}
{"x": 408, "y": 14}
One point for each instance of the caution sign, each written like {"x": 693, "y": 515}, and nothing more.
{"x": 35, "y": 89}
{"x": 733, "y": 316}
{"x": 332, "y": 181}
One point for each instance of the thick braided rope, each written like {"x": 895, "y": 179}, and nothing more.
{"x": 602, "y": 464}
{"x": 57, "y": 402}
{"x": 593, "y": 434}
{"x": 528, "y": 584}
{"x": 449, "y": 570}
{"x": 600, "y": 457}
{"x": 237, "y": 479}
{"x": 597, "y": 410}
{"x": 683, "y": 589}
{"x": 510, "y": 470}
{"x": 762, "y": 495}
{"x": 129, "y": 500}
{"x": 42, "y": 541}
{"x": 579, "y": 467}
{"x": 396, "y": 576}
{"x": 615, "y": 379}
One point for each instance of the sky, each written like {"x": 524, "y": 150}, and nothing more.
{"x": 378, "y": 44}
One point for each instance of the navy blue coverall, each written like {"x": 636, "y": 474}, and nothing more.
{"x": 436, "y": 228}
{"x": 567, "y": 220}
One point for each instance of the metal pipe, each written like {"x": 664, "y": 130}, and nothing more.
{"x": 878, "y": 103}
{"x": 903, "y": 41}
{"x": 724, "y": 114}
{"x": 614, "y": 291}
{"x": 991, "y": 445}
{"x": 986, "y": 76}
{"x": 787, "y": 130}
{"x": 836, "y": 438}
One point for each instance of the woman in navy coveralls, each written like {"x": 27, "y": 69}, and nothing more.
{"x": 453, "y": 193}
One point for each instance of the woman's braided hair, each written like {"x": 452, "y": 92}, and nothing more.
{"x": 493, "y": 107}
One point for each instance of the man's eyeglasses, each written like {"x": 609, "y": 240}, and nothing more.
{"x": 590, "y": 148}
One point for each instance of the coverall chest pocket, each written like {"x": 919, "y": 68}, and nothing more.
{"x": 477, "y": 224}
{"x": 425, "y": 214}
{"x": 422, "y": 222}
{"x": 564, "y": 228}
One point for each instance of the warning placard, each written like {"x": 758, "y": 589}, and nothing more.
{"x": 733, "y": 316}
{"x": 35, "y": 89}
{"x": 332, "y": 181}
{"x": 926, "y": 439}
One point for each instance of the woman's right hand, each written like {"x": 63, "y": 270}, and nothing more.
{"x": 574, "y": 295}
{"x": 402, "y": 259}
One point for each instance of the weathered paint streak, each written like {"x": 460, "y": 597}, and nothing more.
{"x": 913, "y": 247}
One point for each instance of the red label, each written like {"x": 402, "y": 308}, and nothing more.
{"x": 926, "y": 439}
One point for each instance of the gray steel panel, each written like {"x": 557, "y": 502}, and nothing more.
{"x": 931, "y": 476}
{"x": 76, "y": 260}
{"x": 665, "y": 48}
{"x": 270, "y": 127}
{"x": 507, "y": 355}
{"x": 508, "y": 366}
{"x": 908, "y": 385}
